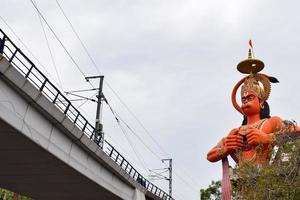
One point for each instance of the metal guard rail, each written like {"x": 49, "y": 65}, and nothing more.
{"x": 26, "y": 67}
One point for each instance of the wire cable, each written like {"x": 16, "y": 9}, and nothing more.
{"x": 30, "y": 52}
{"x": 118, "y": 118}
{"x": 77, "y": 35}
{"x": 131, "y": 130}
{"x": 128, "y": 139}
{"x": 136, "y": 118}
{"x": 60, "y": 42}
{"x": 49, "y": 49}
{"x": 96, "y": 67}
{"x": 38, "y": 61}
{"x": 73, "y": 60}
{"x": 87, "y": 100}
{"x": 115, "y": 93}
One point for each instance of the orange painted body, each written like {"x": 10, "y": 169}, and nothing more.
{"x": 256, "y": 132}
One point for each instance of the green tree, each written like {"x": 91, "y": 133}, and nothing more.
{"x": 9, "y": 195}
{"x": 278, "y": 180}
{"x": 213, "y": 192}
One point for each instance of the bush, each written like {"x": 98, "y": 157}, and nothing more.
{"x": 278, "y": 180}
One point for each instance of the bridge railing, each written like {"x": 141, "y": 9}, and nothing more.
{"x": 28, "y": 69}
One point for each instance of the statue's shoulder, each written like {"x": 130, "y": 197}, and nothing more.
{"x": 275, "y": 120}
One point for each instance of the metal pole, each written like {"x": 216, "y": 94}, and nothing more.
{"x": 99, "y": 134}
{"x": 2, "y": 42}
{"x": 170, "y": 175}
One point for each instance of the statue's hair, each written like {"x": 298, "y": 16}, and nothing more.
{"x": 264, "y": 113}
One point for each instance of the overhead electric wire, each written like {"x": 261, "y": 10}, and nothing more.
{"x": 139, "y": 157}
{"x": 158, "y": 174}
{"x": 142, "y": 162}
{"x": 136, "y": 118}
{"x": 84, "y": 90}
{"x": 38, "y": 61}
{"x": 62, "y": 45}
{"x": 49, "y": 49}
{"x": 123, "y": 150}
{"x": 132, "y": 131}
{"x": 83, "y": 98}
{"x": 96, "y": 67}
{"x": 118, "y": 117}
{"x": 30, "y": 52}
{"x": 60, "y": 42}
{"x": 74, "y": 62}
{"x": 115, "y": 93}
{"x": 75, "y": 32}
{"x": 87, "y": 100}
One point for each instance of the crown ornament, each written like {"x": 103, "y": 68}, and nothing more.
{"x": 254, "y": 83}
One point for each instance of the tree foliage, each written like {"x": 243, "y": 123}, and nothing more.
{"x": 279, "y": 180}
{"x": 8, "y": 195}
{"x": 212, "y": 192}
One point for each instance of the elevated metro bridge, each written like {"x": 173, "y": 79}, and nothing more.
{"x": 46, "y": 145}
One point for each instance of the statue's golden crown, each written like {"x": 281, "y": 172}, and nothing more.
{"x": 254, "y": 82}
{"x": 252, "y": 85}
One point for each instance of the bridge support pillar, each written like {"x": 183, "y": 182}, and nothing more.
{"x": 138, "y": 195}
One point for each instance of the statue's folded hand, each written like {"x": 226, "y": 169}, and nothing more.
{"x": 232, "y": 143}
{"x": 256, "y": 137}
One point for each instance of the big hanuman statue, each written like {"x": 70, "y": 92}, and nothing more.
{"x": 258, "y": 127}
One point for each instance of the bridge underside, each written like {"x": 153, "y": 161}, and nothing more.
{"x": 28, "y": 169}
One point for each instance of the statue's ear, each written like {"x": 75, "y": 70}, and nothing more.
{"x": 261, "y": 103}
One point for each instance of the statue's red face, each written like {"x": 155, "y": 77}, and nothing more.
{"x": 250, "y": 104}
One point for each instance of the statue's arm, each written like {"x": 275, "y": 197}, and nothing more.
{"x": 281, "y": 127}
{"x": 216, "y": 153}
{"x": 227, "y": 145}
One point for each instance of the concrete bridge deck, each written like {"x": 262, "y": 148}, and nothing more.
{"x": 45, "y": 143}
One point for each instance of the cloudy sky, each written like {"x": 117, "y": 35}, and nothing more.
{"x": 171, "y": 62}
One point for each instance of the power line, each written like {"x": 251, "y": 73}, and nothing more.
{"x": 77, "y": 35}
{"x": 82, "y": 97}
{"x": 96, "y": 67}
{"x": 136, "y": 118}
{"x": 131, "y": 130}
{"x": 38, "y": 61}
{"x": 118, "y": 118}
{"x": 115, "y": 93}
{"x": 83, "y": 90}
{"x": 40, "y": 14}
{"x": 48, "y": 45}
{"x": 187, "y": 183}
{"x": 123, "y": 150}
{"x": 30, "y": 52}
{"x": 87, "y": 100}
{"x": 127, "y": 137}
{"x": 60, "y": 42}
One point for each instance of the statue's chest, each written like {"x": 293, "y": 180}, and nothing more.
{"x": 243, "y": 130}
{"x": 258, "y": 125}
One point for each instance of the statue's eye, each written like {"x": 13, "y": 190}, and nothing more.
{"x": 251, "y": 97}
